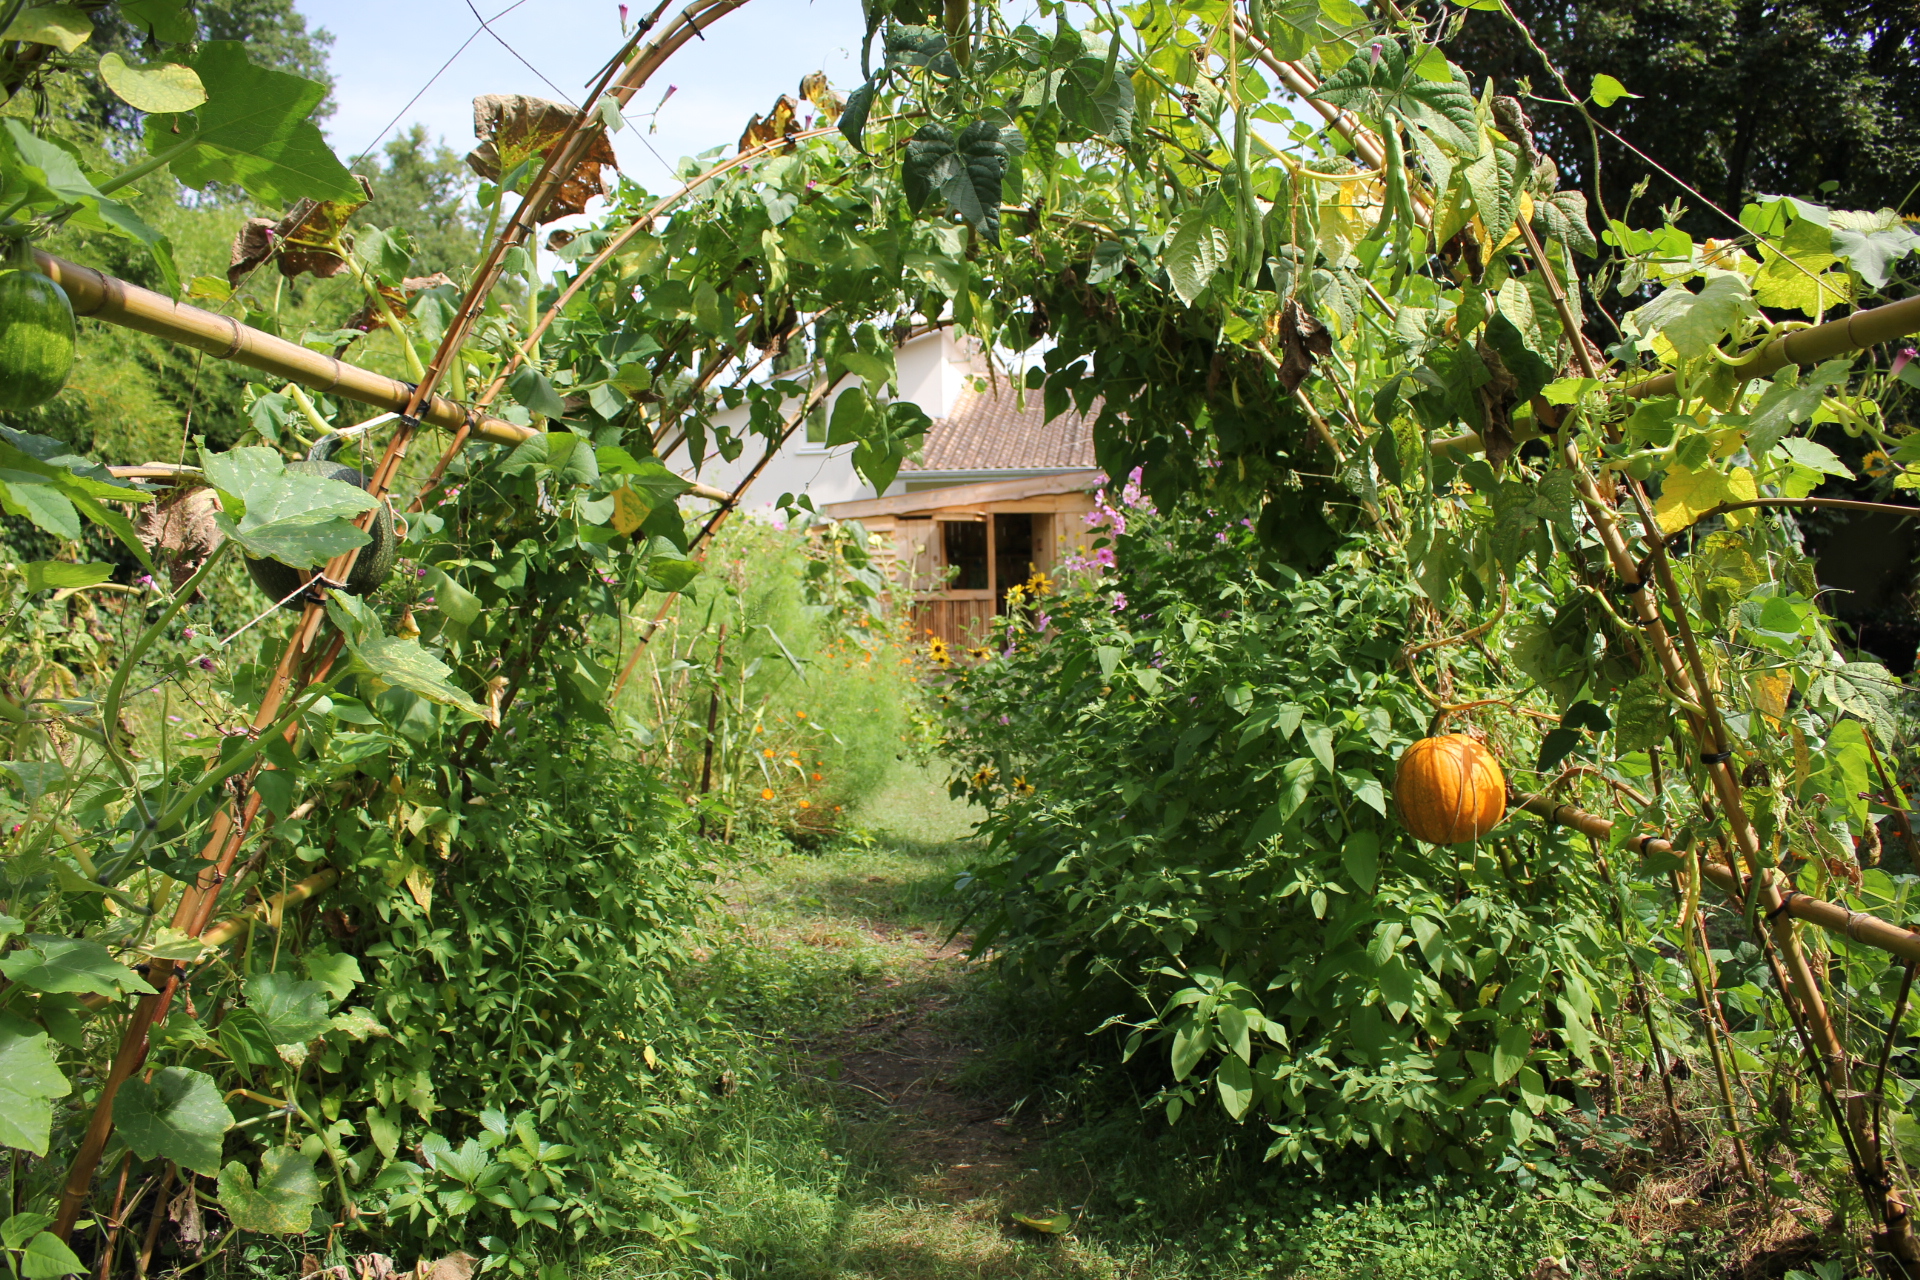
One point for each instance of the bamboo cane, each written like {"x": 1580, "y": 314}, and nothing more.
{"x": 1856, "y": 925}
{"x": 98, "y": 296}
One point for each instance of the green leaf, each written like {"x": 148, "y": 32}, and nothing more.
{"x": 1190, "y": 1042}
{"x": 1235, "y": 1083}
{"x": 178, "y": 1115}
{"x": 37, "y": 500}
{"x": 64, "y": 26}
{"x": 168, "y": 21}
{"x": 77, "y": 965}
{"x": 49, "y": 575}
{"x": 1510, "y": 1052}
{"x": 164, "y": 87}
{"x": 853, "y": 116}
{"x": 283, "y": 1200}
{"x": 47, "y": 1257}
{"x": 283, "y": 515}
{"x": 253, "y": 132}
{"x": 1693, "y": 322}
{"x": 293, "y": 1011}
{"x": 403, "y": 664}
{"x": 1789, "y": 399}
{"x": 337, "y": 971}
{"x": 22, "y": 1227}
{"x": 1377, "y": 82}
{"x": 1360, "y": 855}
{"x": 931, "y": 161}
{"x": 535, "y": 392}
{"x": 1872, "y": 242}
{"x": 1196, "y": 251}
{"x": 30, "y": 1079}
{"x": 1607, "y": 91}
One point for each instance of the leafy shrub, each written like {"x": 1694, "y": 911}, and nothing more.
{"x": 1185, "y": 766}
{"x": 807, "y": 688}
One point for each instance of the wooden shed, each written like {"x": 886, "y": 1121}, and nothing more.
{"x": 998, "y": 493}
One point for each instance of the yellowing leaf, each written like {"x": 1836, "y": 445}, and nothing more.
{"x": 1052, "y": 1224}
{"x": 1770, "y": 690}
{"x": 166, "y": 87}
{"x": 420, "y": 885}
{"x": 1686, "y": 495}
{"x": 64, "y": 26}
{"x": 630, "y": 510}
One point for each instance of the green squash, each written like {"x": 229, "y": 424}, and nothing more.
{"x": 36, "y": 339}
{"x": 376, "y": 559}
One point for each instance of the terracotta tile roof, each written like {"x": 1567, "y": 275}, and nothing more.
{"x": 990, "y": 431}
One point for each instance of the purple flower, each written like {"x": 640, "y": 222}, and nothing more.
{"x": 1907, "y": 355}
{"x": 144, "y": 580}
{"x": 205, "y": 664}
{"x": 1005, "y": 720}
{"x": 421, "y": 572}
{"x": 189, "y": 633}
{"x": 1042, "y": 621}
{"x": 1119, "y": 601}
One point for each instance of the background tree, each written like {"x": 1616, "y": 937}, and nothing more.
{"x": 423, "y": 191}
{"x": 1814, "y": 98}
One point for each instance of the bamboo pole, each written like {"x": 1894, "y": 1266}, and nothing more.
{"x": 1857, "y": 925}
{"x": 98, "y": 296}
{"x": 1856, "y": 332}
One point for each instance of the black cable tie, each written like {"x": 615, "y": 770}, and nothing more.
{"x": 1629, "y": 588}
{"x": 1786, "y": 900}
{"x": 1644, "y": 842}
{"x": 1715, "y": 757}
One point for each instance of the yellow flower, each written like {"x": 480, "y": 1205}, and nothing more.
{"x": 937, "y": 650}
{"x": 1039, "y": 584}
{"x": 766, "y": 793}
{"x": 1021, "y": 786}
{"x": 1015, "y": 595}
{"x": 1876, "y": 464}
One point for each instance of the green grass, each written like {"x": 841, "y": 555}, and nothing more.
{"x": 890, "y": 1109}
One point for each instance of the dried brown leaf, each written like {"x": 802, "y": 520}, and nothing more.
{"x": 301, "y": 241}
{"x": 815, "y": 89}
{"x": 514, "y": 128}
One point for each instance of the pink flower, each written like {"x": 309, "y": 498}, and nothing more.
{"x": 1042, "y": 621}
{"x": 1907, "y": 355}
{"x": 1119, "y": 601}
{"x": 623, "y": 19}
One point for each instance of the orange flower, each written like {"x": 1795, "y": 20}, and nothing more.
{"x": 799, "y": 715}
{"x": 805, "y": 805}
{"x": 816, "y": 777}
{"x": 766, "y": 793}
{"x": 768, "y": 753}
{"x": 793, "y": 755}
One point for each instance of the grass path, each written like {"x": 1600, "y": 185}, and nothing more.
{"x": 881, "y": 1119}
{"x": 865, "y": 1144}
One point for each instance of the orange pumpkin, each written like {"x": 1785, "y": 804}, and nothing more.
{"x": 1449, "y": 789}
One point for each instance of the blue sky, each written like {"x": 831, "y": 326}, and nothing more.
{"x": 385, "y": 51}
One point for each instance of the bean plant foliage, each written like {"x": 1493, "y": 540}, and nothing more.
{"x": 423, "y": 918}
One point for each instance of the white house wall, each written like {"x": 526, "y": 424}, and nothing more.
{"x": 933, "y": 371}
